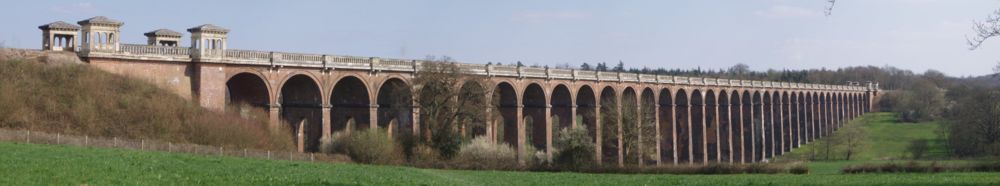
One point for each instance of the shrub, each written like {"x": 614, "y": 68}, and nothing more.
{"x": 366, "y": 146}
{"x": 480, "y": 153}
{"x": 576, "y": 151}
{"x": 918, "y": 148}
{"x": 446, "y": 142}
{"x": 799, "y": 168}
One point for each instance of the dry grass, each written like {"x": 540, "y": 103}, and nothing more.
{"x": 37, "y": 95}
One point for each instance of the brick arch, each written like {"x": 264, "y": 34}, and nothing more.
{"x": 535, "y": 120}
{"x": 629, "y": 103}
{"x": 724, "y": 125}
{"x": 394, "y": 98}
{"x": 667, "y": 142}
{"x": 562, "y": 101}
{"x": 507, "y": 103}
{"x": 284, "y": 79}
{"x": 300, "y": 97}
{"x": 349, "y": 106}
{"x": 271, "y": 95}
{"x": 608, "y": 125}
{"x": 268, "y": 96}
{"x": 365, "y": 81}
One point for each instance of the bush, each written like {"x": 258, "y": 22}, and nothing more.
{"x": 799, "y": 168}
{"x": 576, "y": 151}
{"x": 918, "y": 148}
{"x": 480, "y": 153}
{"x": 914, "y": 167}
{"x": 366, "y": 146}
{"x": 446, "y": 142}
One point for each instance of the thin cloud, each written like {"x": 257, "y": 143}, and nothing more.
{"x": 78, "y": 8}
{"x": 787, "y": 11}
{"x": 548, "y": 16}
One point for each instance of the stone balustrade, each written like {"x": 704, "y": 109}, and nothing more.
{"x": 283, "y": 59}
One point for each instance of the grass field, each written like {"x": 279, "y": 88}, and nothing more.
{"x": 887, "y": 141}
{"x": 32, "y": 164}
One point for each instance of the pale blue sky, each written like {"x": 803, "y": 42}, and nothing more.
{"x": 778, "y": 34}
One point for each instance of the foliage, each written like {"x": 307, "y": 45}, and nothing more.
{"x": 918, "y": 148}
{"x": 364, "y": 146}
{"x": 922, "y": 100}
{"x": 441, "y": 110}
{"x": 576, "y": 149}
{"x": 974, "y": 122}
{"x": 853, "y": 139}
{"x": 481, "y": 153}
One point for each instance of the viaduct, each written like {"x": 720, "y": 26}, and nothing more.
{"x": 681, "y": 120}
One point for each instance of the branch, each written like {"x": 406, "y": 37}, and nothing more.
{"x": 984, "y": 30}
{"x": 829, "y": 9}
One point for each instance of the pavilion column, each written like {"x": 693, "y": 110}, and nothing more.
{"x": 597, "y": 134}
{"x": 729, "y": 126}
{"x": 673, "y": 128}
{"x": 490, "y": 124}
{"x": 834, "y": 122}
{"x": 548, "y": 132}
{"x": 274, "y": 112}
{"x": 690, "y": 132}
{"x": 326, "y": 120}
{"x": 718, "y": 140}
{"x": 659, "y": 137}
{"x": 753, "y": 133}
{"x": 763, "y": 132}
{"x": 813, "y": 119}
{"x": 854, "y": 106}
{"x": 743, "y": 147}
{"x": 638, "y": 127}
{"x": 416, "y": 120}
{"x": 817, "y": 118}
{"x": 704, "y": 131}
{"x": 767, "y": 146}
{"x": 621, "y": 159}
{"x": 373, "y": 116}
{"x": 781, "y": 127}
{"x": 520, "y": 128}
{"x": 793, "y": 117}
{"x": 572, "y": 115}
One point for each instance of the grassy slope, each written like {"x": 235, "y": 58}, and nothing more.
{"x": 50, "y": 92}
{"x": 887, "y": 142}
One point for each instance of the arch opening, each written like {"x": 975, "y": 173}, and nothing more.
{"x": 534, "y": 111}
{"x": 349, "y": 101}
{"x": 683, "y": 127}
{"x": 697, "y": 123}
{"x": 301, "y": 108}
{"x": 647, "y": 128}
{"x": 505, "y": 100}
{"x": 609, "y": 126}
{"x": 667, "y": 129}
{"x": 247, "y": 93}
{"x": 395, "y": 107}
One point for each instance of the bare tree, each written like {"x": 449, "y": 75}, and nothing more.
{"x": 990, "y": 27}
{"x": 445, "y": 104}
{"x": 853, "y": 139}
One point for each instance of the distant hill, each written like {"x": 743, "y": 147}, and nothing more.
{"x": 992, "y": 80}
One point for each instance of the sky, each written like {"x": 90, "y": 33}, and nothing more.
{"x": 710, "y": 34}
